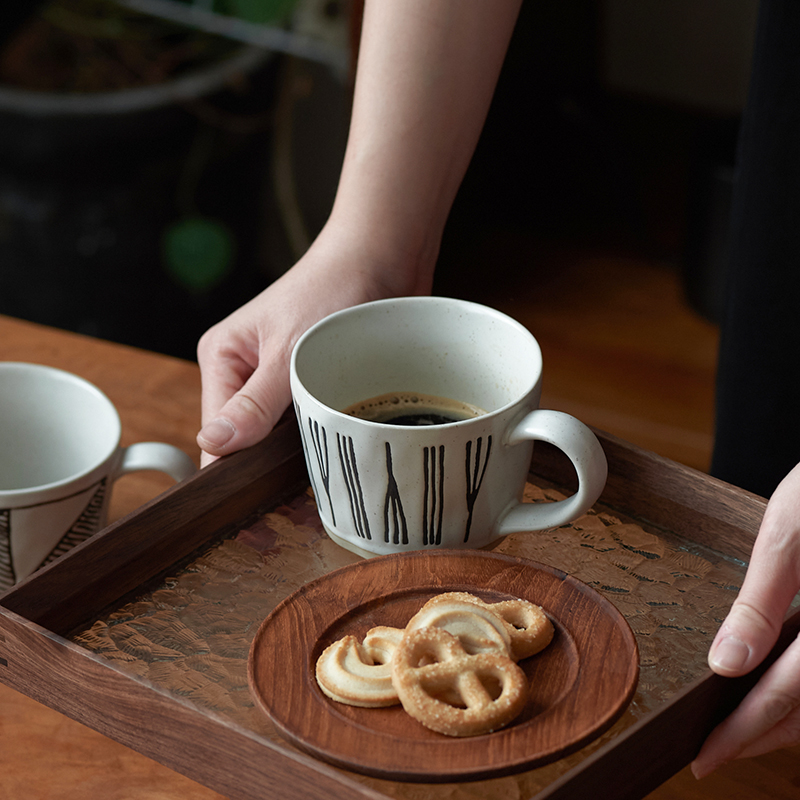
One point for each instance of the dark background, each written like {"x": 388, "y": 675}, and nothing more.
{"x": 564, "y": 158}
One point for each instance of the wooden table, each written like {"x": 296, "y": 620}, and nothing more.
{"x": 45, "y": 755}
{"x": 42, "y": 753}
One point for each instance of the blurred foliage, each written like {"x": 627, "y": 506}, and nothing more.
{"x": 198, "y": 253}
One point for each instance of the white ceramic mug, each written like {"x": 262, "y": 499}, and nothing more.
{"x": 59, "y": 456}
{"x": 386, "y": 488}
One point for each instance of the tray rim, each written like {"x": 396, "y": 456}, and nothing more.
{"x": 659, "y": 488}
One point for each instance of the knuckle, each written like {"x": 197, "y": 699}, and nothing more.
{"x": 207, "y": 343}
{"x": 778, "y": 705}
{"x": 250, "y": 406}
{"x": 746, "y": 613}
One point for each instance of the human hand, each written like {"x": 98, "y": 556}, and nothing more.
{"x": 244, "y": 359}
{"x": 769, "y": 716}
{"x": 409, "y": 144}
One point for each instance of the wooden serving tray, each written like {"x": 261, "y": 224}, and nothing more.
{"x": 142, "y": 632}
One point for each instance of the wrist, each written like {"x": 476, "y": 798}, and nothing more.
{"x": 398, "y": 255}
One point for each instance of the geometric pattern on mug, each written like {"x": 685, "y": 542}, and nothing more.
{"x": 320, "y": 444}
{"x": 476, "y": 469}
{"x": 355, "y": 494}
{"x": 395, "y": 527}
{"x": 87, "y": 524}
{"x": 433, "y": 499}
{"x": 7, "y": 575}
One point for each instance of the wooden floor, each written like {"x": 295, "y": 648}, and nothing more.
{"x": 622, "y": 350}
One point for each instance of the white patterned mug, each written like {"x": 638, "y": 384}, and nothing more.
{"x": 391, "y": 486}
{"x": 59, "y": 456}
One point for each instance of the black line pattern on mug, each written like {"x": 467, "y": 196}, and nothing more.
{"x": 307, "y": 452}
{"x": 7, "y": 575}
{"x": 87, "y": 524}
{"x": 395, "y": 528}
{"x": 347, "y": 458}
{"x": 475, "y": 473}
{"x": 320, "y": 444}
{"x": 433, "y": 498}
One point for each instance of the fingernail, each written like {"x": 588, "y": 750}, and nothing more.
{"x": 217, "y": 433}
{"x": 730, "y": 655}
{"x": 703, "y": 771}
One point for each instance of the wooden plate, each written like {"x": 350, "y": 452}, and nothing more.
{"x": 580, "y": 684}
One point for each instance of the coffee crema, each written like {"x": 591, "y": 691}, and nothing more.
{"x": 412, "y": 408}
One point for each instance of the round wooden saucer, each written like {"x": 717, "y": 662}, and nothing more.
{"x": 579, "y": 685}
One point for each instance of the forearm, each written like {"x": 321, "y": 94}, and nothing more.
{"x": 426, "y": 74}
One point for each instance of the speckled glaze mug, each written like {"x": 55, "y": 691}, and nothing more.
{"x": 387, "y": 487}
{"x": 59, "y": 456}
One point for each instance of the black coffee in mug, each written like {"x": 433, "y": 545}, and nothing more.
{"x": 413, "y": 408}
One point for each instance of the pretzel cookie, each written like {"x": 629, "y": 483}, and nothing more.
{"x": 452, "y": 667}
{"x": 431, "y": 665}
{"x": 360, "y": 673}
{"x": 527, "y": 626}
{"x": 475, "y": 625}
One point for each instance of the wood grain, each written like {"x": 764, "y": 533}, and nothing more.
{"x": 674, "y": 496}
{"x": 127, "y": 553}
{"x": 621, "y": 349}
{"x": 580, "y": 683}
{"x": 679, "y": 733}
{"x": 157, "y": 723}
{"x": 44, "y": 754}
{"x": 158, "y": 397}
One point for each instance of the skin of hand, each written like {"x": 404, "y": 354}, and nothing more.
{"x": 426, "y": 74}
{"x": 244, "y": 360}
{"x": 769, "y": 716}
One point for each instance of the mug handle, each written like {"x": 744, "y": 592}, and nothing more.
{"x": 582, "y": 448}
{"x": 156, "y": 456}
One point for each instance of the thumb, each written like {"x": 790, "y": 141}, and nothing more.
{"x": 247, "y": 417}
{"x": 755, "y": 619}
{"x": 745, "y": 638}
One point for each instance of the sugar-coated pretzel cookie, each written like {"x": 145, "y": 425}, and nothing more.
{"x": 360, "y": 674}
{"x": 477, "y": 628}
{"x": 431, "y": 664}
{"x": 529, "y": 630}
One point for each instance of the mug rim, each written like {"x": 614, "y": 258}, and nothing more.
{"x": 43, "y": 493}
{"x": 335, "y": 316}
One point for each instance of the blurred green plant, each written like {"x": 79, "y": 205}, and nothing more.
{"x": 198, "y": 253}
